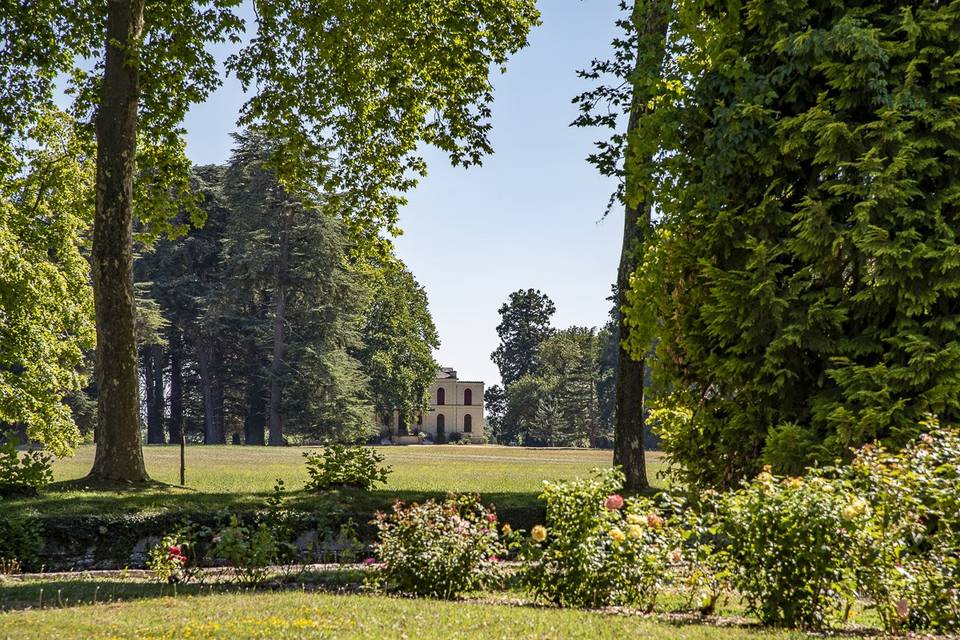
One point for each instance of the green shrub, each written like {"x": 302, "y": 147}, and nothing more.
{"x": 168, "y": 559}
{"x": 597, "y": 548}
{"x": 702, "y": 575}
{"x": 438, "y": 549}
{"x": 909, "y": 565}
{"x": 790, "y": 544}
{"x": 21, "y": 538}
{"x": 179, "y": 556}
{"x": 249, "y": 552}
{"x": 337, "y": 465}
{"x": 22, "y": 474}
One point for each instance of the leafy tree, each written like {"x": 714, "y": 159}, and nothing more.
{"x": 46, "y": 310}
{"x": 267, "y": 308}
{"x": 528, "y": 419}
{"x": 802, "y": 278}
{"x": 570, "y": 358}
{"x": 495, "y": 407}
{"x": 398, "y": 338}
{"x": 350, "y": 88}
{"x": 629, "y": 82}
{"x": 524, "y": 325}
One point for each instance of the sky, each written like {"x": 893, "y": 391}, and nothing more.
{"x": 530, "y": 217}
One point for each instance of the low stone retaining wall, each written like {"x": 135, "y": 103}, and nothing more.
{"x": 117, "y": 541}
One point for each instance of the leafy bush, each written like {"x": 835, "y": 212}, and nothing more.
{"x": 22, "y": 474}
{"x": 21, "y": 538}
{"x": 249, "y": 552}
{"x": 438, "y": 549}
{"x": 702, "y": 573}
{"x": 790, "y": 543}
{"x": 909, "y": 564}
{"x": 179, "y": 556}
{"x": 337, "y": 465}
{"x": 168, "y": 560}
{"x": 597, "y": 548}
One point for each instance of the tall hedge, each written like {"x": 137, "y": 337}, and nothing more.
{"x": 804, "y": 277}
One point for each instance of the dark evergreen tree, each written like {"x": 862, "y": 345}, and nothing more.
{"x": 524, "y": 324}
{"x": 803, "y": 278}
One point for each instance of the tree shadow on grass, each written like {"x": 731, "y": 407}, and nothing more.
{"x": 30, "y": 594}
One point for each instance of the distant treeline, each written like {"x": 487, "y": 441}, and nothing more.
{"x": 265, "y": 322}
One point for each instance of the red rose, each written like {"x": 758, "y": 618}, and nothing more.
{"x": 174, "y": 550}
{"x": 614, "y": 502}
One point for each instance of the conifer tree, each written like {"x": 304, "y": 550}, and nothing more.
{"x": 803, "y": 278}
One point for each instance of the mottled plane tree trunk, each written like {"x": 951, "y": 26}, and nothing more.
{"x": 119, "y": 455}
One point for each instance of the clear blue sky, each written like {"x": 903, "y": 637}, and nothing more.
{"x": 529, "y": 217}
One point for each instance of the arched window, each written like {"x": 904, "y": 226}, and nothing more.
{"x": 468, "y": 397}
{"x": 441, "y": 396}
{"x": 467, "y": 423}
{"x": 440, "y": 426}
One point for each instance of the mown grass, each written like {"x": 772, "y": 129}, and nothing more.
{"x": 140, "y": 611}
{"x": 233, "y": 477}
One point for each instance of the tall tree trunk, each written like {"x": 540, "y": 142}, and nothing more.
{"x": 255, "y": 419}
{"x": 175, "y": 342}
{"x": 119, "y": 455}
{"x": 211, "y": 387}
{"x": 650, "y": 20}
{"x": 280, "y": 306}
{"x": 155, "y": 396}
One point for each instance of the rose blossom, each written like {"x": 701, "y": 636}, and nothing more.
{"x": 614, "y": 502}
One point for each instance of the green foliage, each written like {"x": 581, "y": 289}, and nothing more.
{"x": 397, "y": 340}
{"x": 524, "y": 325}
{"x": 46, "y": 305}
{"x": 802, "y": 279}
{"x": 909, "y": 566}
{"x": 168, "y": 560}
{"x": 597, "y": 548}
{"x": 790, "y": 544}
{"x": 438, "y": 549}
{"x": 21, "y": 538}
{"x": 22, "y": 473}
{"x": 337, "y": 465}
{"x": 248, "y": 551}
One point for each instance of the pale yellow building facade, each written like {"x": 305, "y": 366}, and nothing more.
{"x": 455, "y": 407}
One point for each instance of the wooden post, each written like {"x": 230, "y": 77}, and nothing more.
{"x": 183, "y": 459}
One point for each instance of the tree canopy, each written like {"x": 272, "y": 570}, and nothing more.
{"x": 348, "y": 90}
{"x": 803, "y": 278}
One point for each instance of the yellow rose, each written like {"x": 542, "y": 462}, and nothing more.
{"x": 634, "y": 531}
{"x": 539, "y": 533}
{"x": 616, "y": 535}
{"x": 634, "y": 518}
{"x": 507, "y": 529}
{"x": 855, "y": 508}
{"x": 795, "y": 483}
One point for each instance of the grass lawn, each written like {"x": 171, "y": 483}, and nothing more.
{"x": 303, "y": 614}
{"x": 234, "y": 476}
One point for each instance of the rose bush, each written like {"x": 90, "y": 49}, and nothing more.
{"x": 909, "y": 564}
{"x": 438, "y": 549}
{"x": 789, "y": 543}
{"x": 597, "y": 548}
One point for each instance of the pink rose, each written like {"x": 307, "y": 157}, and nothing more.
{"x": 614, "y": 502}
{"x": 491, "y": 517}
